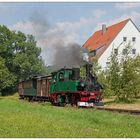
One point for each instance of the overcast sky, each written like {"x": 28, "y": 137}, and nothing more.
{"x": 70, "y": 22}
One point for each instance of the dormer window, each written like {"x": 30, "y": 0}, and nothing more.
{"x": 124, "y": 39}
{"x": 133, "y": 39}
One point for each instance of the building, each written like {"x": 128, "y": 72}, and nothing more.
{"x": 114, "y": 37}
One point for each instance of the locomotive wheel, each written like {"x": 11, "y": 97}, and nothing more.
{"x": 61, "y": 100}
{"x": 61, "y": 104}
{"x": 52, "y": 102}
{"x": 74, "y": 100}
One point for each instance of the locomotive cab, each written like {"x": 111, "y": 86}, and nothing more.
{"x": 64, "y": 80}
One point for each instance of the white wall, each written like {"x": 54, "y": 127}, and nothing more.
{"x": 128, "y": 31}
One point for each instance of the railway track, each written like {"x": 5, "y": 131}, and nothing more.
{"x": 133, "y": 112}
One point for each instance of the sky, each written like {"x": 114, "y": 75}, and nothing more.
{"x": 69, "y": 22}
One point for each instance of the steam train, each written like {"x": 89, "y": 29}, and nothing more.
{"x": 62, "y": 87}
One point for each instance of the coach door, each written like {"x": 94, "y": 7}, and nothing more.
{"x": 47, "y": 87}
{"x": 39, "y": 87}
{"x": 44, "y": 87}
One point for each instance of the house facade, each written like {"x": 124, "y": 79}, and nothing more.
{"x": 114, "y": 38}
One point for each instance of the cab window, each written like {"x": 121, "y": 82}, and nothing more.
{"x": 61, "y": 76}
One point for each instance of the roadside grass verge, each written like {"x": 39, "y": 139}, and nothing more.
{"x": 22, "y": 119}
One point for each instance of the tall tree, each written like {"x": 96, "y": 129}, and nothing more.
{"x": 123, "y": 76}
{"x": 20, "y": 55}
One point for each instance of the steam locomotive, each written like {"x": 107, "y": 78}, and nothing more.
{"x": 62, "y": 87}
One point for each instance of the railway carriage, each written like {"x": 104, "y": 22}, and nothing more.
{"x": 36, "y": 88}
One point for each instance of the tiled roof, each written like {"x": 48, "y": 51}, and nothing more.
{"x": 102, "y": 40}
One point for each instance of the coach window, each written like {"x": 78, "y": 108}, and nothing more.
{"x": 28, "y": 84}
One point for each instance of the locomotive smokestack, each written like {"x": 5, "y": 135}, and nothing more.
{"x": 88, "y": 69}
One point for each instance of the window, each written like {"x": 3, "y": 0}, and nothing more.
{"x": 61, "y": 76}
{"x": 133, "y": 51}
{"x": 133, "y": 39}
{"x": 27, "y": 84}
{"x": 116, "y": 51}
{"x": 107, "y": 63}
{"x": 124, "y": 51}
{"x": 93, "y": 53}
{"x": 124, "y": 39}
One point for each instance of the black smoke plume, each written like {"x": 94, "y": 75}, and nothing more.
{"x": 71, "y": 55}
{"x": 57, "y": 49}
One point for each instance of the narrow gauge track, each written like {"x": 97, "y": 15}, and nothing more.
{"x": 133, "y": 112}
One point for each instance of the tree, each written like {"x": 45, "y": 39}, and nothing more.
{"x": 123, "y": 76}
{"x": 20, "y": 55}
{"x": 6, "y": 78}
{"x": 114, "y": 75}
{"x": 129, "y": 78}
{"x": 27, "y": 59}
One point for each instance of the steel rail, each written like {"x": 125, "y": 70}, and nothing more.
{"x": 130, "y": 111}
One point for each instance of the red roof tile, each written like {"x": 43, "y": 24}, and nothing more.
{"x": 99, "y": 39}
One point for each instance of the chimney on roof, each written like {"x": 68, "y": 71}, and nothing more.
{"x": 103, "y": 28}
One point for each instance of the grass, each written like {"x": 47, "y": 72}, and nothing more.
{"x": 20, "y": 119}
{"x": 135, "y": 105}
